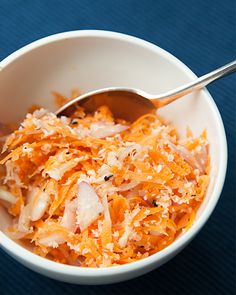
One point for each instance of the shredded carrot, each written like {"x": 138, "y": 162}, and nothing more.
{"x": 145, "y": 185}
{"x": 60, "y": 99}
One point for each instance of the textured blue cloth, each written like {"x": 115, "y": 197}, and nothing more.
{"x": 201, "y": 34}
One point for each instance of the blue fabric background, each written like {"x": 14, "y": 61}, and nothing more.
{"x": 200, "y": 33}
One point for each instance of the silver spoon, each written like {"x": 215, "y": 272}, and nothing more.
{"x": 130, "y": 103}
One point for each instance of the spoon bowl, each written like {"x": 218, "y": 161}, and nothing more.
{"x": 128, "y": 104}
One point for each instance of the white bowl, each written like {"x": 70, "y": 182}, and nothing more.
{"x": 95, "y": 59}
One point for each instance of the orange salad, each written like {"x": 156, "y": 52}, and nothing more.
{"x": 93, "y": 191}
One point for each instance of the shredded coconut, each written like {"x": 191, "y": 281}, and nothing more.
{"x": 170, "y": 158}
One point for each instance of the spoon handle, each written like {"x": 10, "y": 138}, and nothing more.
{"x": 197, "y": 84}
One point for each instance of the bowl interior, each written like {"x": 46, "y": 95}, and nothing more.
{"x": 94, "y": 61}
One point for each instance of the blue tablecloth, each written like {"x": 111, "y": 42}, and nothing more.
{"x": 201, "y": 34}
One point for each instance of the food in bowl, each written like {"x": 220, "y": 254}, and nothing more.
{"x": 93, "y": 191}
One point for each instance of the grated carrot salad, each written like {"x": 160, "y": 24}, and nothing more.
{"x": 93, "y": 191}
